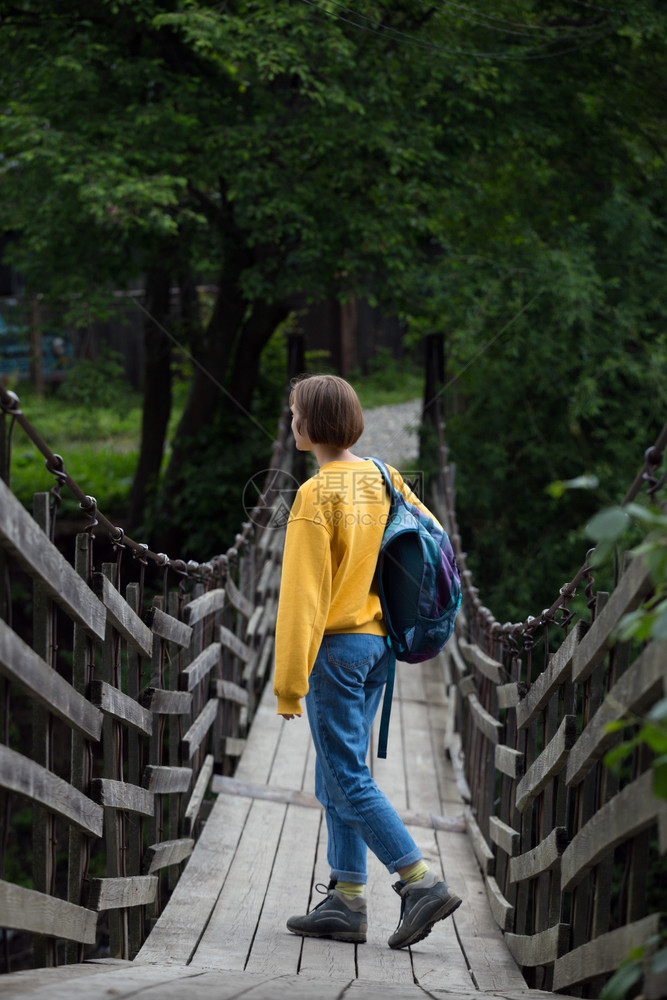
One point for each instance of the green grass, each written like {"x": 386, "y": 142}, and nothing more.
{"x": 388, "y": 381}
{"x": 99, "y": 446}
{"x": 94, "y": 422}
{"x": 406, "y": 387}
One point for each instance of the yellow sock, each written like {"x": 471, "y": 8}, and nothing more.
{"x": 350, "y": 889}
{"x": 416, "y": 873}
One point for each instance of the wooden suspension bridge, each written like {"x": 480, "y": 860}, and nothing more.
{"x": 168, "y": 813}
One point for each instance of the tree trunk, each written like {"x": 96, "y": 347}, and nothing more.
{"x": 157, "y": 395}
{"x": 252, "y": 339}
{"x": 224, "y": 382}
{"x": 211, "y": 353}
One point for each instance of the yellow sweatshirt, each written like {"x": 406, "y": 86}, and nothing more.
{"x": 331, "y": 549}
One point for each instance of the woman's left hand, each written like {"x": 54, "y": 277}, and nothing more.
{"x": 288, "y": 717}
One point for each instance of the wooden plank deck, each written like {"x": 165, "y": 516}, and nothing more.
{"x": 260, "y": 855}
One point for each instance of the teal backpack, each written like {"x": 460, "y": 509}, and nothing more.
{"x": 419, "y": 586}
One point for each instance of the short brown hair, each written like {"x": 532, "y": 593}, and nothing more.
{"x": 331, "y": 409}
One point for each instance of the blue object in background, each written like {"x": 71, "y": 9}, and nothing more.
{"x": 16, "y": 352}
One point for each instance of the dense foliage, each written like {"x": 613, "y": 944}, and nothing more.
{"x": 493, "y": 172}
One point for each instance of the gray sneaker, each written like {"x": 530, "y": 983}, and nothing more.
{"x": 423, "y": 904}
{"x": 337, "y": 917}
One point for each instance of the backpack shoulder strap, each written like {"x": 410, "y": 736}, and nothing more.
{"x": 385, "y": 473}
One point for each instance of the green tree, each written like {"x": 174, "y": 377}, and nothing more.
{"x": 553, "y": 260}
{"x": 256, "y": 143}
{"x": 474, "y": 171}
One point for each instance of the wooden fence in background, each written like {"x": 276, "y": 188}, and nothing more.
{"x": 116, "y": 706}
{"x": 572, "y": 853}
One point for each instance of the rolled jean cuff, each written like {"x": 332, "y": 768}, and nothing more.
{"x": 409, "y": 859}
{"x": 359, "y": 878}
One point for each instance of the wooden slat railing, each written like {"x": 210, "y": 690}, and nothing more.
{"x": 116, "y": 708}
{"x": 572, "y": 854}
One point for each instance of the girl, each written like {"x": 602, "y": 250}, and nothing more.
{"x": 331, "y": 650}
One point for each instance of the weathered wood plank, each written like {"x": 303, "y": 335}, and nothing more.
{"x": 509, "y": 695}
{"x": 20, "y": 535}
{"x": 81, "y": 762}
{"x": 460, "y": 667}
{"x": 168, "y": 852}
{"x": 552, "y": 760}
{"x": 633, "y": 692}
{"x": 541, "y": 859}
{"x": 121, "y": 795}
{"x": 111, "y": 762}
{"x": 28, "y": 984}
{"x": 322, "y": 957}
{"x": 232, "y": 642}
{"x": 492, "y": 967}
{"x": 437, "y": 957}
{"x": 205, "y": 604}
{"x": 228, "y": 691}
{"x": 502, "y": 909}
{"x": 269, "y": 579}
{"x": 631, "y": 590}
{"x": 253, "y": 626}
{"x": 43, "y": 828}
{"x": 256, "y": 669}
{"x": 273, "y": 952}
{"x": 198, "y": 793}
{"x": 175, "y": 936}
{"x": 167, "y": 702}
{"x": 128, "y": 624}
{"x": 202, "y": 665}
{"x": 267, "y": 571}
{"x": 539, "y": 949}
{"x": 550, "y": 679}
{"x": 114, "y": 893}
{"x": 634, "y": 809}
{"x": 198, "y": 731}
{"x": 175, "y": 983}
{"x": 483, "y": 853}
{"x": 418, "y": 750}
{"x": 234, "y": 746}
{"x": 504, "y": 836}
{"x": 452, "y": 744}
{"x": 467, "y": 685}
{"x": 121, "y": 707}
{"x": 293, "y": 796}
{"x": 162, "y": 780}
{"x": 603, "y": 954}
{"x": 21, "y": 665}
{"x": 167, "y": 627}
{"x": 26, "y": 910}
{"x": 222, "y": 785}
{"x": 249, "y": 877}
{"x": 510, "y": 762}
{"x": 475, "y": 657}
{"x": 484, "y": 721}
{"x": 238, "y": 600}
{"x": 22, "y": 776}
{"x": 179, "y": 929}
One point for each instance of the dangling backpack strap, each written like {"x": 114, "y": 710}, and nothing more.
{"x": 389, "y": 686}
{"x": 386, "y": 704}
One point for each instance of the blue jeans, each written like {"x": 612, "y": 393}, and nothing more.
{"x": 345, "y": 690}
